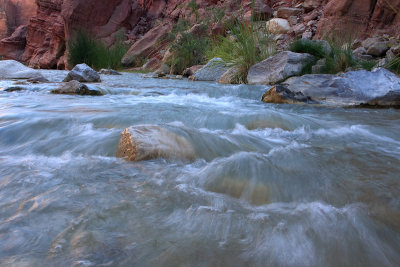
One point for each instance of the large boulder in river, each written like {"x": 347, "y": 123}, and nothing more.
{"x": 278, "y": 68}
{"x": 376, "y": 88}
{"x": 145, "y": 142}
{"x": 76, "y": 88}
{"x": 83, "y": 73}
{"x": 212, "y": 71}
{"x": 11, "y": 69}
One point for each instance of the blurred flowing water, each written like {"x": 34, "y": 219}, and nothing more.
{"x": 271, "y": 185}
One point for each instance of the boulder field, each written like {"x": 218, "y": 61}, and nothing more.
{"x": 47, "y": 25}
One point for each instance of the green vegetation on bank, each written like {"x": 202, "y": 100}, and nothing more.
{"x": 85, "y": 49}
{"x": 394, "y": 65}
{"x": 187, "y": 49}
{"x": 336, "y": 57}
{"x": 243, "y": 48}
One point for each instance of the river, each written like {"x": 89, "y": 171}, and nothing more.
{"x": 271, "y": 185}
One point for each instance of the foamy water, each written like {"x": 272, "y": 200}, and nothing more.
{"x": 270, "y": 185}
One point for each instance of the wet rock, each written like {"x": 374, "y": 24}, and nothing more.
{"x": 379, "y": 87}
{"x": 11, "y": 69}
{"x": 82, "y": 73}
{"x": 152, "y": 75}
{"x": 231, "y": 76}
{"x": 109, "y": 72}
{"x": 278, "y": 68}
{"x": 279, "y": 94}
{"x": 212, "y": 71}
{"x": 391, "y": 99}
{"x": 146, "y": 142}
{"x": 14, "y": 89}
{"x": 278, "y": 26}
{"x": 286, "y": 12}
{"x": 76, "y": 88}
{"x": 38, "y": 80}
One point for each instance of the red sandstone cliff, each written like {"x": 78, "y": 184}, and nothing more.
{"x": 14, "y": 13}
{"x": 43, "y": 43}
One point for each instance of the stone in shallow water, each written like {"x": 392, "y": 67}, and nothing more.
{"x": 14, "y": 89}
{"x": 144, "y": 142}
{"x": 212, "y": 71}
{"x": 352, "y": 88}
{"x": 82, "y": 73}
{"x": 109, "y": 72}
{"x": 76, "y": 88}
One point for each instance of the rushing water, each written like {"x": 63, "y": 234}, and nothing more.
{"x": 271, "y": 185}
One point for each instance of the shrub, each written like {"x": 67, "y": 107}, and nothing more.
{"x": 306, "y": 46}
{"x": 244, "y": 48}
{"x": 85, "y": 49}
{"x": 187, "y": 50}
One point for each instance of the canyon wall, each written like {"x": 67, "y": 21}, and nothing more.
{"x": 14, "y": 13}
{"x": 44, "y": 41}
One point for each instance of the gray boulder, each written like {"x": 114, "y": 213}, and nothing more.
{"x": 76, "y": 88}
{"x": 375, "y": 46}
{"x": 83, "y": 73}
{"x": 278, "y": 68}
{"x": 11, "y": 69}
{"x": 352, "y": 88}
{"x": 378, "y": 49}
{"x": 212, "y": 71}
{"x": 109, "y": 72}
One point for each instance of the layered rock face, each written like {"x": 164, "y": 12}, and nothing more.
{"x": 14, "y": 13}
{"x": 368, "y": 17}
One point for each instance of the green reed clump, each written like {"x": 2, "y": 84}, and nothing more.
{"x": 316, "y": 49}
{"x": 187, "y": 50}
{"x": 85, "y": 49}
{"x": 243, "y": 48}
{"x": 394, "y": 65}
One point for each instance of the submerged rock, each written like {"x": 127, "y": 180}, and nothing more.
{"x": 376, "y": 88}
{"x": 38, "y": 80}
{"x": 278, "y": 68}
{"x": 279, "y": 94}
{"x": 14, "y": 89}
{"x": 145, "y": 142}
{"x": 212, "y": 71}
{"x": 76, "y": 88}
{"x": 11, "y": 69}
{"x": 109, "y": 72}
{"x": 83, "y": 73}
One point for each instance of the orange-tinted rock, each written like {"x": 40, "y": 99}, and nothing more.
{"x": 149, "y": 44}
{"x": 145, "y": 142}
{"x": 13, "y": 47}
{"x": 14, "y": 13}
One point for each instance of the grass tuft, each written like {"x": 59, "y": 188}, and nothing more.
{"x": 85, "y": 49}
{"x": 187, "y": 50}
{"x": 244, "y": 48}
